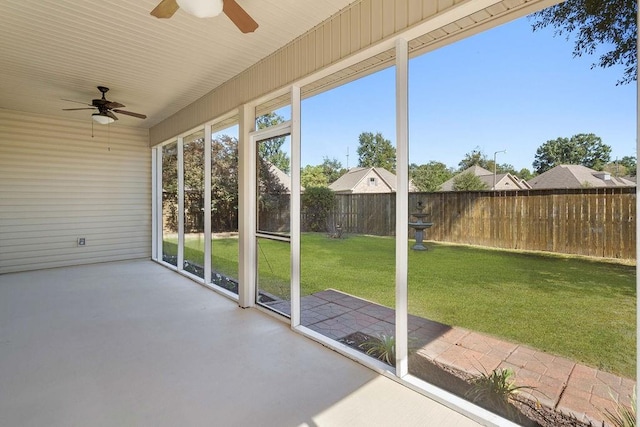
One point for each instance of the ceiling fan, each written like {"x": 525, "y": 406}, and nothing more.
{"x": 208, "y": 9}
{"x": 105, "y": 109}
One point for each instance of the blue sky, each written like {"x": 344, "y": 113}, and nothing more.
{"x": 507, "y": 88}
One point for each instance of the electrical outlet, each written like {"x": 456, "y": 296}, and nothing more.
{"x": 82, "y": 241}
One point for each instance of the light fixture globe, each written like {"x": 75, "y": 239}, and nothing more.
{"x": 202, "y": 8}
{"x": 103, "y": 119}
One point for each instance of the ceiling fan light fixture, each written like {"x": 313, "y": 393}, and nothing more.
{"x": 103, "y": 119}
{"x": 202, "y": 8}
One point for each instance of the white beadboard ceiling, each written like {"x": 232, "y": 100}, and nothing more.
{"x": 52, "y": 50}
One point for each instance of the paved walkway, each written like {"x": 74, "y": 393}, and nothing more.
{"x": 559, "y": 383}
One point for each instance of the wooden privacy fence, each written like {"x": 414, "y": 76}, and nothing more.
{"x": 594, "y": 222}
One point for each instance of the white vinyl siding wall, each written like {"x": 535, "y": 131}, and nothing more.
{"x": 57, "y": 183}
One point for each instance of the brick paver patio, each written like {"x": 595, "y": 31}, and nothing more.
{"x": 557, "y": 382}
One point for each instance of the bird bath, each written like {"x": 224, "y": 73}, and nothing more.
{"x": 420, "y": 226}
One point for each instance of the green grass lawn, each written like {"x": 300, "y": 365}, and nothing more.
{"x": 583, "y": 309}
{"x": 224, "y": 257}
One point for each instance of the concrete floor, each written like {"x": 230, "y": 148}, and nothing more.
{"x": 135, "y": 344}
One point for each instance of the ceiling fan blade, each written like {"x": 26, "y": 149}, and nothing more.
{"x": 165, "y": 9}
{"x": 74, "y": 109}
{"x": 110, "y": 114}
{"x": 111, "y": 105}
{"x": 239, "y": 16}
{"x": 129, "y": 113}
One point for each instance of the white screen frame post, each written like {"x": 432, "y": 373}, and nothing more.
{"x": 402, "y": 205}
{"x": 160, "y": 205}
{"x": 207, "y": 204}
{"x": 247, "y": 158}
{"x": 154, "y": 204}
{"x": 295, "y": 205}
{"x": 637, "y": 209}
{"x": 180, "y": 261}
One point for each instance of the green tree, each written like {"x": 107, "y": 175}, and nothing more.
{"x": 273, "y": 199}
{"x": 597, "y": 24}
{"x": 170, "y": 186}
{"x": 376, "y": 151}
{"x": 475, "y": 157}
{"x": 581, "y": 149}
{"x": 193, "y": 158}
{"x": 170, "y": 168}
{"x": 630, "y": 163}
{"x": 468, "y": 182}
{"x": 313, "y": 176}
{"x": 332, "y": 169}
{"x": 557, "y": 152}
{"x": 525, "y": 174}
{"x": 224, "y": 183}
{"x": 322, "y": 175}
{"x": 270, "y": 150}
{"x": 616, "y": 169}
{"x": 430, "y": 176}
{"x": 503, "y": 168}
{"x": 478, "y": 158}
{"x": 625, "y": 166}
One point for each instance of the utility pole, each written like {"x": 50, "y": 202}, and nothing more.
{"x": 494, "y": 167}
{"x": 347, "y": 157}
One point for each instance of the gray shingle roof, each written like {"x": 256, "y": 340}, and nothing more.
{"x": 504, "y": 181}
{"x": 349, "y": 181}
{"x": 282, "y": 177}
{"x": 577, "y": 176}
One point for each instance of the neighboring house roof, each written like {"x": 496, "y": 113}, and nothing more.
{"x": 355, "y": 180}
{"x": 577, "y": 176}
{"x": 282, "y": 177}
{"x": 504, "y": 181}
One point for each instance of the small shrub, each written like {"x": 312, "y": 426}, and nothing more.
{"x": 496, "y": 389}
{"x": 624, "y": 416}
{"x": 468, "y": 182}
{"x": 317, "y": 204}
{"x": 382, "y": 348}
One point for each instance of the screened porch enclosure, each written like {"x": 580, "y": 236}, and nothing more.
{"x": 253, "y": 286}
{"x": 395, "y": 329}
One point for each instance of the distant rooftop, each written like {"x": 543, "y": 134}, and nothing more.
{"x": 352, "y": 181}
{"x": 577, "y": 176}
{"x": 503, "y": 181}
